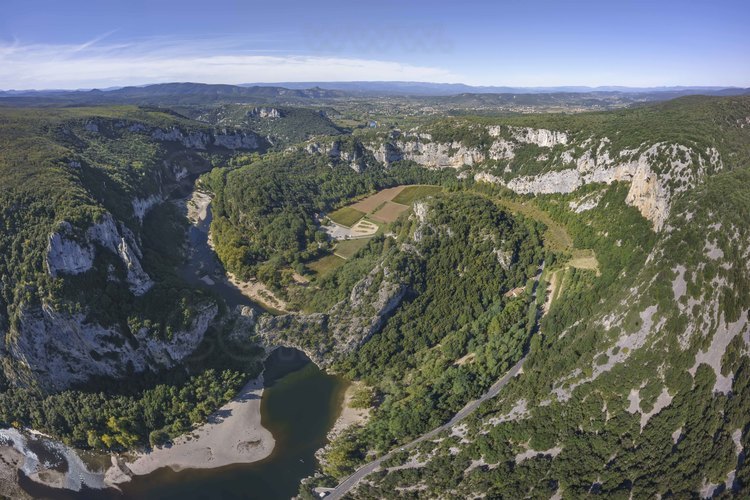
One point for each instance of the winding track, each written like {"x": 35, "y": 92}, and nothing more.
{"x": 350, "y": 482}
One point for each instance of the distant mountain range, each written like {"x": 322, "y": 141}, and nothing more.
{"x": 447, "y": 89}
{"x": 199, "y": 93}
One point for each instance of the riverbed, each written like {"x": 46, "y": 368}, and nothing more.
{"x": 299, "y": 406}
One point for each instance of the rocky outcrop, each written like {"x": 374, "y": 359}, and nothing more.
{"x": 345, "y": 327}
{"x": 541, "y": 137}
{"x": 427, "y": 154}
{"x": 652, "y": 181}
{"x": 441, "y": 155}
{"x": 70, "y": 253}
{"x": 387, "y": 153}
{"x": 202, "y": 140}
{"x": 141, "y": 206}
{"x": 61, "y": 349}
{"x": 266, "y": 113}
{"x": 236, "y": 140}
{"x": 355, "y": 320}
{"x": 352, "y": 154}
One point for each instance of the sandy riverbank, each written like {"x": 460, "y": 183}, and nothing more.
{"x": 232, "y": 435}
{"x": 196, "y": 210}
{"x": 197, "y": 206}
{"x": 258, "y": 292}
{"x": 349, "y": 416}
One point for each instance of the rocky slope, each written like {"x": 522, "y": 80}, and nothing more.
{"x": 565, "y": 162}
{"x": 117, "y": 167}
{"x": 636, "y": 384}
{"x": 346, "y": 326}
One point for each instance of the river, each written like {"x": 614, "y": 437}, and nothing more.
{"x": 299, "y": 406}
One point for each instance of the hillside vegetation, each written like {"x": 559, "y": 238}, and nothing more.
{"x": 89, "y": 266}
{"x": 635, "y": 384}
{"x": 634, "y": 380}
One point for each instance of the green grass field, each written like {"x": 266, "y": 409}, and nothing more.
{"x": 325, "y": 265}
{"x": 411, "y": 193}
{"x": 347, "y": 248}
{"x": 346, "y": 216}
{"x": 556, "y": 237}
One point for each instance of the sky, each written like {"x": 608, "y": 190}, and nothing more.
{"x": 105, "y": 43}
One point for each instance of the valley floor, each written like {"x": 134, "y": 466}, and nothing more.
{"x": 234, "y": 434}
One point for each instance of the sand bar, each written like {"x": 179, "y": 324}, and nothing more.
{"x": 232, "y": 435}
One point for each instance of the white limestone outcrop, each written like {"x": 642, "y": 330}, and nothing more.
{"x": 62, "y": 349}
{"x": 201, "y": 140}
{"x": 71, "y": 253}
{"x": 653, "y": 181}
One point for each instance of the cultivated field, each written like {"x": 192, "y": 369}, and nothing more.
{"x": 371, "y": 203}
{"x": 411, "y": 193}
{"x": 389, "y": 212}
{"x": 347, "y": 216}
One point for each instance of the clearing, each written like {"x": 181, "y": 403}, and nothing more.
{"x": 555, "y": 237}
{"x": 411, "y": 193}
{"x": 326, "y": 265}
{"x": 585, "y": 259}
{"x": 347, "y": 248}
{"x": 389, "y": 212}
{"x": 347, "y": 216}
{"x": 369, "y": 204}
{"x": 353, "y": 225}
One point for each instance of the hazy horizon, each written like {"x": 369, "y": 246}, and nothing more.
{"x": 51, "y": 45}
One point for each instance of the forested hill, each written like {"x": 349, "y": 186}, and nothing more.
{"x": 167, "y": 94}
{"x": 88, "y": 255}
{"x": 636, "y": 384}
{"x": 635, "y": 328}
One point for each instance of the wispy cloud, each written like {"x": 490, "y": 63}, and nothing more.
{"x": 96, "y": 64}
{"x": 93, "y": 41}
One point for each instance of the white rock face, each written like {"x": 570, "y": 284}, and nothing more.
{"x": 387, "y": 153}
{"x": 141, "y": 206}
{"x": 436, "y": 154}
{"x": 539, "y": 136}
{"x": 564, "y": 181}
{"x": 67, "y": 254}
{"x": 355, "y": 158}
{"x": 194, "y": 140}
{"x": 586, "y": 203}
{"x": 201, "y": 140}
{"x": 65, "y": 350}
{"x": 649, "y": 192}
{"x": 266, "y": 112}
{"x": 501, "y": 150}
{"x": 236, "y": 140}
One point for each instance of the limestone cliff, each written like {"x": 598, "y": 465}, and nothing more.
{"x": 655, "y": 171}
{"x": 70, "y": 254}
{"x": 57, "y": 350}
{"x": 351, "y": 153}
{"x": 345, "y": 327}
{"x": 655, "y": 175}
{"x": 202, "y": 139}
{"x": 56, "y": 333}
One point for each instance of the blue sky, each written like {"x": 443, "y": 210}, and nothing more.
{"x": 84, "y": 44}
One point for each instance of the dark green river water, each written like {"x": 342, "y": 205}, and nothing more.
{"x": 298, "y": 407}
